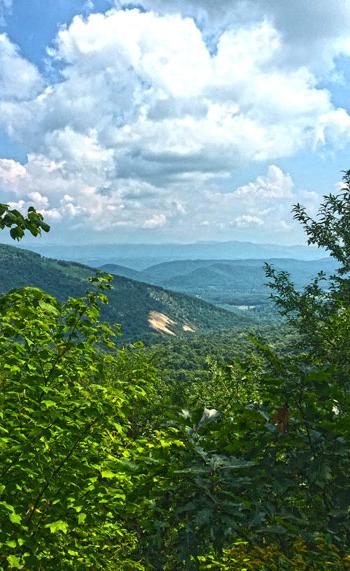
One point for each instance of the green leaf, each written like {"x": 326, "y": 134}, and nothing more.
{"x": 48, "y": 307}
{"x": 49, "y": 403}
{"x": 14, "y": 562}
{"x": 108, "y": 474}
{"x": 81, "y": 518}
{"x": 57, "y": 526}
{"x": 15, "y": 518}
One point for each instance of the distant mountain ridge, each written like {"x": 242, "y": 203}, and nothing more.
{"x": 221, "y": 281}
{"x": 139, "y": 256}
{"x": 145, "y": 312}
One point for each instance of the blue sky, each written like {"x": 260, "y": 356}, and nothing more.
{"x": 171, "y": 120}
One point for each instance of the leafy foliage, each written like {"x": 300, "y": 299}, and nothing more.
{"x": 278, "y": 447}
{"x": 303, "y": 557}
{"x": 316, "y": 308}
{"x": 18, "y": 224}
{"x": 106, "y": 466}
{"x": 63, "y": 432}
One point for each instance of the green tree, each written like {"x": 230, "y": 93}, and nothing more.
{"x": 271, "y": 465}
{"x": 18, "y": 224}
{"x": 68, "y": 406}
{"x": 315, "y": 310}
{"x": 71, "y": 422}
{"x": 103, "y": 470}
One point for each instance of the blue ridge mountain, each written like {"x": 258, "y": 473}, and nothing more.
{"x": 145, "y": 312}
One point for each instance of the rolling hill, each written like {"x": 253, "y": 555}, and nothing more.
{"x": 145, "y": 312}
{"x": 228, "y": 281}
{"x": 123, "y": 271}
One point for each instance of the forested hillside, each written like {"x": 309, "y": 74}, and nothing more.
{"x": 145, "y": 312}
{"x": 232, "y": 282}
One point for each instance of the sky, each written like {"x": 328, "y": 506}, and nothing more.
{"x": 172, "y": 120}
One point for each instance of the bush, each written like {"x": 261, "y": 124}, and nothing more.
{"x": 67, "y": 408}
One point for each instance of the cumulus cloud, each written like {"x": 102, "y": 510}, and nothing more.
{"x": 19, "y": 79}
{"x": 155, "y": 111}
{"x": 157, "y": 221}
{"x": 11, "y": 173}
{"x": 262, "y": 205}
{"x": 276, "y": 184}
{"x": 314, "y": 33}
{"x": 62, "y": 195}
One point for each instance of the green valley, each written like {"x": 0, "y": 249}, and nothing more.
{"x": 145, "y": 312}
{"x": 232, "y": 283}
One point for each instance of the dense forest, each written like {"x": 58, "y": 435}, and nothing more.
{"x": 222, "y": 450}
{"x": 130, "y": 302}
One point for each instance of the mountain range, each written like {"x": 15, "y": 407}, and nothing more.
{"x": 140, "y": 256}
{"x": 232, "y": 282}
{"x": 169, "y": 298}
{"x": 146, "y": 312}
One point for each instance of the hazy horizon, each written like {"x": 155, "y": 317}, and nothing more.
{"x": 140, "y": 256}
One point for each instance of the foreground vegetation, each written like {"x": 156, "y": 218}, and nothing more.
{"x": 105, "y": 464}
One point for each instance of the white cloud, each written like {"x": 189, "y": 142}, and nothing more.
{"x": 246, "y": 220}
{"x": 62, "y": 195}
{"x": 38, "y": 200}
{"x": 334, "y": 126}
{"x": 276, "y": 184}
{"x": 262, "y": 206}
{"x": 147, "y": 90}
{"x": 11, "y": 173}
{"x": 157, "y": 221}
{"x": 153, "y": 115}
{"x": 155, "y": 47}
{"x": 19, "y": 79}
{"x": 314, "y": 32}
{"x": 267, "y": 200}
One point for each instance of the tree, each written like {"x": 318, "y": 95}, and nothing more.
{"x": 102, "y": 470}
{"x": 272, "y": 467}
{"x": 69, "y": 401}
{"x": 326, "y": 296}
{"x": 18, "y": 224}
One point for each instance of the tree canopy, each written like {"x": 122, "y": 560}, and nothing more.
{"x": 106, "y": 465}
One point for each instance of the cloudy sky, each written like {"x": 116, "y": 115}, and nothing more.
{"x": 172, "y": 120}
